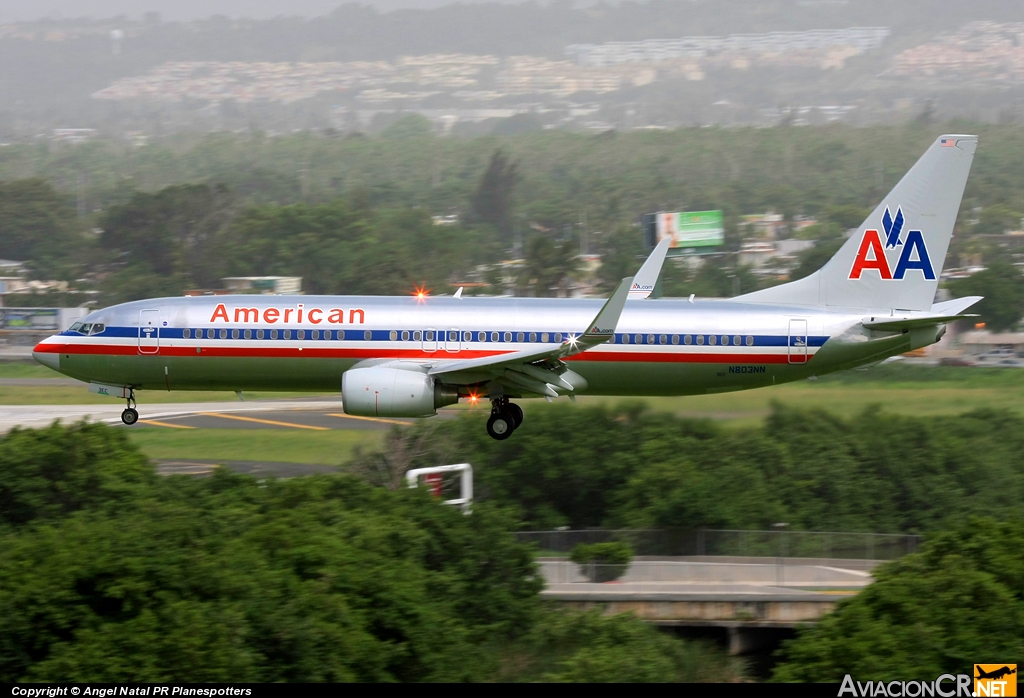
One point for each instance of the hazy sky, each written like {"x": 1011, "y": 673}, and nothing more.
{"x": 25, "y": 10}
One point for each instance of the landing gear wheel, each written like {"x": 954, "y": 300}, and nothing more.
{"x": 500, "y": 426}
{"x": 130, "y": 416}
{"x": 516, "y": 413}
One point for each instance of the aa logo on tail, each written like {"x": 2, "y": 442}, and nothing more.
{"x": 871, "y": 253}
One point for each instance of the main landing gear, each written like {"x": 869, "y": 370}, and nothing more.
{"x": 505, "y": 418}
{"x": 130, "y": 414}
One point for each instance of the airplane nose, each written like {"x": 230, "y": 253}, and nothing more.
{"x": 47, "y": 354}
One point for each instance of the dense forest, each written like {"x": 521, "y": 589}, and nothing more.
{"x": 112, "y": 573}
{"x": 353, "y": 214}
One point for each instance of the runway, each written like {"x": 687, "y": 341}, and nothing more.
{"x": 300, "y": 414}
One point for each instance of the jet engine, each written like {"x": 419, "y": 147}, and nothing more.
{"x": 384, "y": 391}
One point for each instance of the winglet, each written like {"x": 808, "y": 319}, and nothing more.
{"x": 603, "y": 326}
{"x": 645, "y": 279}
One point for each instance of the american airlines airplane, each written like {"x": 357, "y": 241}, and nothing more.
{"x": 409, "y": 356}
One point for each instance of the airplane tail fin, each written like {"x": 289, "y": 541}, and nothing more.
{"x": 895, "y": 258}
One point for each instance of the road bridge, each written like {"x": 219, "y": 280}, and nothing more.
{"x": 744, "y": 596}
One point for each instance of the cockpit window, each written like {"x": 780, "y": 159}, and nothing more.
{"x": 75, "y": 327}
{"x": 98, "y": 328}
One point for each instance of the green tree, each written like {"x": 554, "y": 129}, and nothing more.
{"x": 492, "y": 202}
{"x": 997, "y": 219}
{"x": 175, "y": 231}
{"x": 934, "y": 612}
{"x": 813, "y": 259}
{"x": 35, "y": 222}
{"x": 46, "y": 474}
{"x": 549, "y": 266}
{"x": 1002, "y": 286}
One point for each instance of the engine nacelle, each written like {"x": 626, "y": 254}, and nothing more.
{"x": 382, "y": 391}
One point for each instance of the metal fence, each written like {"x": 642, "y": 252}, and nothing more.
{"x": 721, "y": 542}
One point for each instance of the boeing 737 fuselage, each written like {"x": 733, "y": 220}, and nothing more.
{"x": 409, "y": 356}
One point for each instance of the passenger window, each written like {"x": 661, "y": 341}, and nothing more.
{"x": 508, "y": 336}
{"x": 700, "y": 339}
{"x": 273, "y": 334}
{"x": 453, "y": 336}
{"x": 544, "y": 337}
{"x": 750, "y": 341}
{"x": 558, "y": 337}
{"x": 711, "y": 339}
{"x": 315, "y": 334}
{"x": 429, "y": 335}
{"x": 234, "y": 334}
{"x": 300, "y": 334}
{"x": 259, "y": 334}
{"x": 287, "y": 334}
{"x": 625, "y": 339}
{"x": 725, "y": 340}
{"x": 416, "y": 335}
{"x": 737, "y": 340}
{"x": 405, "y": 335}
{"x": 494, "y": 336}
{"x": 675, "y": 339}
{"x": 186, "y": 333}
{"x": 393, "y": 335}
{"x": 247, "y": 334}
{"x": 638, "y": 339}
{"x": 650, "y": 339}
{"x": 223, "y": 334}
{"x": 520, "y": 337}
{"x": 533, "y": 336}
{"x": 367, "y": 335}
{"x": 663, "y": 339}
{"x": 210, "y": 334}
{"x": 687, "y": 339}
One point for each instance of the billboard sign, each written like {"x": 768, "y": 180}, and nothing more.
{"x": 30, "y": 319}
{"x": 690, "y": 231}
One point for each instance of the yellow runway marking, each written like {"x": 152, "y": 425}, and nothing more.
{"x": 369, "y": 419}
{"x": 263, "y": 421}
{"x": 165, "y": 424}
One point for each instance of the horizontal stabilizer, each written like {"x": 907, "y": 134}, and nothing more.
{"x": 898, "y": 324}
{"x": 955, "y": 306}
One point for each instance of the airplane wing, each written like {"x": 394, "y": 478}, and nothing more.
{"x": 645, "y": 279}
{"x": 540, "y": 370}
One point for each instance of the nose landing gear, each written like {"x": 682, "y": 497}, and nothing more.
{"x": 130, "y": 414}
{"x": 505, "y": 418}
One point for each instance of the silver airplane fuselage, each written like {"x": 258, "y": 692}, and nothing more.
{"x": 291, "y": 343}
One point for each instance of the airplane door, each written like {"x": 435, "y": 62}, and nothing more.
{"x": 149, "y": 331}
{"x": 429, "y": 340}
{"x": 797, "y": 341}
{"x": 454, "y": 343}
